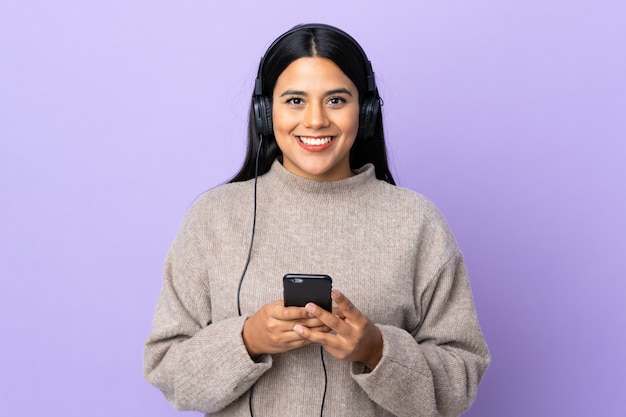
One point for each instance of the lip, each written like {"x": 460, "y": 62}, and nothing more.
{"x": 315, "y": 148}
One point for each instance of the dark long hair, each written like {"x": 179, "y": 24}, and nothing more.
{"x": 315, "y": 40}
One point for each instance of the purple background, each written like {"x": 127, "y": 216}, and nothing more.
{"x": 114, "y": 116}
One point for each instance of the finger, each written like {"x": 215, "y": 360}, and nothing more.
{"x": 348, "y": 310}
{"x": 322, "y": 329}
{"x": 332, "y": 321}
{"x": 311, "y": 322}
{"x": 326, "y": 339}
{"x": 338, "y": 312}
{"x": 292, "y": 339}
{"x": 280, "y": 312}
{"x": 294, "y": 344}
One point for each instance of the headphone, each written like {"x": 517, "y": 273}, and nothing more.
{"x": 370, "y": 106}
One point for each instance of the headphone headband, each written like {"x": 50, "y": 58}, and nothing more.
{"x": 371, "y": 82}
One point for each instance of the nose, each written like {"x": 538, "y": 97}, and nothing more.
{"x": 315, "y": 116}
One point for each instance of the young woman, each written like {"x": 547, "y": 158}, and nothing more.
{"x": 315, "y": 195}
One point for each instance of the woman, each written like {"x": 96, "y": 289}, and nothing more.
{"x": 316, "y": 191}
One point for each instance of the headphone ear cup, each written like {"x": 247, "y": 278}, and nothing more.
{"x": 263, "y": 115}
{"x": 368, "y": 117}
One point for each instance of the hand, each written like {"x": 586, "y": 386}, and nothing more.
{"x": 270, "y": 330}
{"x": 356, "y": 337}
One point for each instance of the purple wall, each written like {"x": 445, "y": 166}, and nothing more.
{"x": 115, "y": 115}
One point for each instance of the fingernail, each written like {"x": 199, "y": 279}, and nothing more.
{"x": 298, "y": 329}
{"x": 310, "y": 308}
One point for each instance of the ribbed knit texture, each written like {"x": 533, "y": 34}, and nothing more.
{"x": 388, "y": 249}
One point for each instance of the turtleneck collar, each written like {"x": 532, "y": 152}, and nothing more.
{"x": 363, "y": 182}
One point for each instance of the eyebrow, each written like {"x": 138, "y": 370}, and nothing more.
{"x": 328, "y": 93}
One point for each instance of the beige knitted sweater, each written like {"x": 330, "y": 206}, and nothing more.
{"x": 388, "y": 249}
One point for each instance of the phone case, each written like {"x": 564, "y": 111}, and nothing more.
{"x": 299, "y": 289}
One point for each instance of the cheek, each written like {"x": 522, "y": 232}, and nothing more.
{"x": 352, "y": 123}
{"x": 282, "y": 121}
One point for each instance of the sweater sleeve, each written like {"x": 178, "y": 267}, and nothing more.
{"x": 198, "y": 364}
{"x": 434, "y": 370}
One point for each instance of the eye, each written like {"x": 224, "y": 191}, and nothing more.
{"x": 294, "y": 101}
{"x": 336, "y": 101}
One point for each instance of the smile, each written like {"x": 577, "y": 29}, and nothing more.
{"x": 315, "y": 141}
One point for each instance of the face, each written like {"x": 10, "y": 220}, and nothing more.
{"x": 315, "y": 114}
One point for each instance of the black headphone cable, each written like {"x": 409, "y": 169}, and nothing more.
{"x": 245, "y": 268}
{"x": 325, "y": 381}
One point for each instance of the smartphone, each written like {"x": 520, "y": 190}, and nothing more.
{"x": 299, "y": 289}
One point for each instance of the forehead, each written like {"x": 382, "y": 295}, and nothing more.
{"x": 313, "y": 73}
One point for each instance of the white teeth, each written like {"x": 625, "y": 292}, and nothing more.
{"x": 315, "y": 141}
